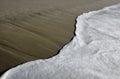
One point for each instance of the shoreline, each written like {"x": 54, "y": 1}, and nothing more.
{"x": 43, "y": 32}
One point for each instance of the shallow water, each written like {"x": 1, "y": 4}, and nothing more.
{"x": 94, "y": 52}
{"x": 43, "y": 27}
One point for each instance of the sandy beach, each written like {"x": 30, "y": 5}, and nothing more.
{"x": 38, "y": 29}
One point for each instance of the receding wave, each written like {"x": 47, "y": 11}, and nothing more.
{"x": 94, "y": 52}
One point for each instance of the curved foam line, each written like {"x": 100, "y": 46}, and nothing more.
{"x": 81, "y": 57}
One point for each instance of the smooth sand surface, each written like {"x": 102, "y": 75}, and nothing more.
{"x": 37, "y": 29}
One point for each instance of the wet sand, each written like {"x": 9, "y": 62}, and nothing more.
{"x": 31, "y": 30}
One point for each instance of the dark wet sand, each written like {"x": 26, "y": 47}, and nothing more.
{"x": 37, "y": 29}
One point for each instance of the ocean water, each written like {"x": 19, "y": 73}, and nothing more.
{"x": 94, "y": 52}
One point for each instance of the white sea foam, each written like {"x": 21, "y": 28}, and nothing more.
{"x": 94, "y": 52}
